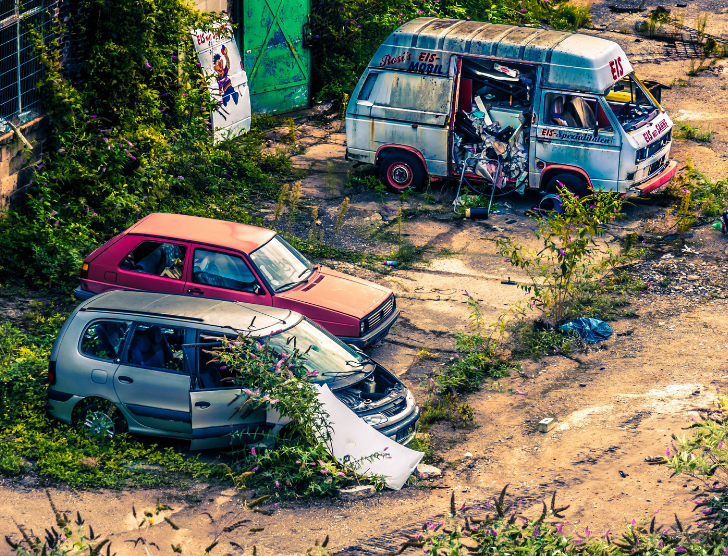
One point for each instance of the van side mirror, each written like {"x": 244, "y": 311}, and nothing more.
{"x": 257, "y": 290}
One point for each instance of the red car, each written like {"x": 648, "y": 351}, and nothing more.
{"x": 189, "y": 255}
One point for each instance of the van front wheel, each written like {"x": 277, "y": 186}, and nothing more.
{"x": 575, "y": 185}
{"x": 400, "y": 171}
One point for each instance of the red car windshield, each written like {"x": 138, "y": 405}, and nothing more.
{"x": 281, "y": 264}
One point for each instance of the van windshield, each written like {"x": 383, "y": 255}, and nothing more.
{"x": 630, "y": 103}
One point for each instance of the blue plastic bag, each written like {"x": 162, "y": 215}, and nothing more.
{"x": 592, "y": 330}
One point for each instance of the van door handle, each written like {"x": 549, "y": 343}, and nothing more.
{"x": 202, "y": 405}
{"x": 543, "y": 140}
{"x": 125, "y": 380}
{"x": 195, "y": 290}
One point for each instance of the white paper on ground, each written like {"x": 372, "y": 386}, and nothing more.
{"x": 354, "y": 438}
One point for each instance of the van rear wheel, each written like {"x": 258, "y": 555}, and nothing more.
{"x": 401, "y": 170}
{"x": 577, "y": 186}
{"x": 102, "y": 420}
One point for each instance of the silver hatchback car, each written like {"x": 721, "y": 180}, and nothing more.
{"x": 136, "y": 361}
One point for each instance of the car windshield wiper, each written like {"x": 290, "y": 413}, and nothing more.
{"x": 305, "y": 270}
{"x": 287, "y": 284}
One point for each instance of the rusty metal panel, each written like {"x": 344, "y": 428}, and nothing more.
{"x": 278, "y": 66}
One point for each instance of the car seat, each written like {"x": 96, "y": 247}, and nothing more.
{"x": 148, "y": 349}
{"x": 582, "y": 113}
{"x": 559, "y": 116}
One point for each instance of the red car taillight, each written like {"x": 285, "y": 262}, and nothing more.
{"x": 84, "y": 270}
{"x": 52, "y": 373}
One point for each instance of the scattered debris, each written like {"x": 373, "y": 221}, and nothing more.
{"x": 545, "y": 425}
{"x": 508, "y": 282}
{"x": 623, "y": 474}
{"x": 592, "y": 330}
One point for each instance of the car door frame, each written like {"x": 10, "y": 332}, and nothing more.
{"x": 218, "y": 435}
{"x": 146, "y": 416}
{"x": 142, "y": 275}
{"x": 266, "y": 298}
{"x": 586, "y": 151}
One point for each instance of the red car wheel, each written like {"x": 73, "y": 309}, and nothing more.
{"x": 400, "y": 171}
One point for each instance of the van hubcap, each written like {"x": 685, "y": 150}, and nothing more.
{"x": 99, "y": 424}
{"x": 400, "y": 175}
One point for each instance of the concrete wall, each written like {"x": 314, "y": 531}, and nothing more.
{"x": 14, "y": 156}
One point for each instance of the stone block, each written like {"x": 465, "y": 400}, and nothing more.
{"x": 425, "y": 471}
{"x": 357, "y": 493}
{"x": 545, "y": 425}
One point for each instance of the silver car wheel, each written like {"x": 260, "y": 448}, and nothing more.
{"x": 99, "y": 425}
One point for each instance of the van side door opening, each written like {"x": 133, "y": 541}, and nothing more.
{"x": 493, "y": 106}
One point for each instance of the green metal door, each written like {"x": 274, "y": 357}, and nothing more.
{"x": 277, "y": 64}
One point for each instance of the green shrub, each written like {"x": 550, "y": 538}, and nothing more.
{"x": 131, "y": 137}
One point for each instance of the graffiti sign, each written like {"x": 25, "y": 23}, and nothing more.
{"x": 228, "y": 83}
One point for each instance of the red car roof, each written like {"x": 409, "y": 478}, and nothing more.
{"x": 202, "y": 230}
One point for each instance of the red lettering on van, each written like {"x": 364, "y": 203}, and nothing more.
{"x": 388, "y": 60}
{"x": 548, "y": 132}
{"x": 427, "y": 57}
{"x": 616, "y": 67}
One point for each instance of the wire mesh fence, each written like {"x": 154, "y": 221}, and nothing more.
{"x": 20, "y": 66}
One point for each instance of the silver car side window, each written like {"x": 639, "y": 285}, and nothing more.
{"x": 157, "y": 347}
{"x": 104, "y": 339}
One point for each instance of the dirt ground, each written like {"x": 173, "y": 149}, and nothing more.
{"x": 615, "y": 405}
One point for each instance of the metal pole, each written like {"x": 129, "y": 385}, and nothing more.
{"x": 17, "y": 42}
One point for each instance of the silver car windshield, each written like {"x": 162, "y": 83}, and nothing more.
{"x": 630, "y": 103}
{"x": 282, "y": 265}
{"x": 326, "y": 358}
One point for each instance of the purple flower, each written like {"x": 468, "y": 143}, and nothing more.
{"x": 147, "y": 65}
{"x": 252, "y": 451}
{"x": 586, "y": 531}
{"x": 180, "y": 177}
{"x": 254, "y": 469}
{"x": 324, "y": 471}
{"x": 56, "y": 223}
{"x": 277, "y": 485}
{"x": 680, "y": 550}
{"x": 61, "y": 150}
{"x": 521, "y": 393}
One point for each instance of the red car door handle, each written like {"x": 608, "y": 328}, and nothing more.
{"x": 202, "y": 405}
{"x": 195, "y": 290}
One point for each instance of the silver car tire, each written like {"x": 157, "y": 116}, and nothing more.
{"x": 102, "y": 421}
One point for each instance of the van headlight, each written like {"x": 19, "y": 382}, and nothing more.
{"x": 362, "y": 327}
{"x": 410, "y": 398}
{"x": 376, "y": 419}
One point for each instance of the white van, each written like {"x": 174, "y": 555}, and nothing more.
{"x": 510, "y": 105}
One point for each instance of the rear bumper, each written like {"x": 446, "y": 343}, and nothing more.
{"x": 655, "y": 183}
{"x": 375, "y": 335}
{"x": 82, "y": 295}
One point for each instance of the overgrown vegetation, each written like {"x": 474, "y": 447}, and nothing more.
{"x": 686, "y": 131}
{"x": 54, "y": 452}
{"x": 300, "y": 460}
{"x": 348, "y": 32}
{"x": 699, "y": 194}
{"x": 570, "y": 262}
{"x": 132, "y": 136}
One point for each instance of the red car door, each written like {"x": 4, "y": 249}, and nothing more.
{"x": 224, "y": 274}
{"x": 151, "y": 264}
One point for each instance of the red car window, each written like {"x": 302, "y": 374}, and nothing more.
{"x": 222, "y": 270}
{"x": 156, "y": 258}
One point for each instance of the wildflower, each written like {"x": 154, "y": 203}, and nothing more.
{"x": 521, "y": 393}
{"x": 606, "y": 533}
{"x": 340, "y": 474}
{"x": 56, "y": 223}
{"x": 147, "y": 64}
{"x": 254, "y": 469}
{"x": 273, "y": 402}
{"x": 180, "y": 177}
{"x": 298, "y": 461}
{"x": 720, "y": 445}
{"x": 324, "y": 471}
{"x": 252, "y": 451}
{"x": 681, "y": 550}
{"x": 563, "y": 254}
{"x": 657, "y": 511}
{"x": 61, "y": 150}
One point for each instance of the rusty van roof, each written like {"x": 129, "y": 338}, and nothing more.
{"x": 571, "y": 60}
